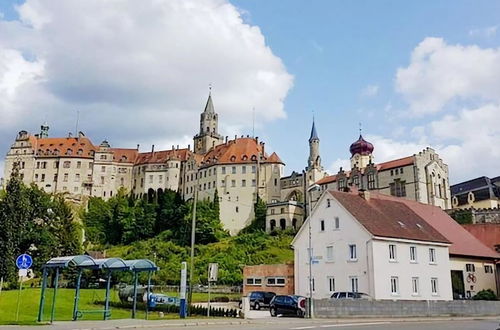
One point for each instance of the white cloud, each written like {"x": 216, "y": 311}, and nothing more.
{"x": 138, "y": 71}
{"x": 487, "y": 32}
{"x": 439, "y": 74}
{"x": 370, "y": 90}
{"x": 337, "y": 164}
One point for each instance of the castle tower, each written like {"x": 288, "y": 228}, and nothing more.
{"x": 314, "y": 169}
{"x": 208, "y": 136}
{"x": 44, "y": 131}
{"x": 361, "y": 153}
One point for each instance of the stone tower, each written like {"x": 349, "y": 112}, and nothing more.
{"x": 314, "y": 169}
{"x": 208, "y": 136}
{"x": 44, "y": 131}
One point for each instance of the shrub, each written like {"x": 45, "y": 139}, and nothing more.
{"x": 485, "y": 295}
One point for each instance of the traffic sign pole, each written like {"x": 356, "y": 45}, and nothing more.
{"x": 19, "y": 297}
{"x": 23, "y": 262}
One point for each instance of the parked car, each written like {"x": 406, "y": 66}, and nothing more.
{"x": 288, "y": 305}
{"x": 350, "y": 295}
{"x": 259, "y": 299}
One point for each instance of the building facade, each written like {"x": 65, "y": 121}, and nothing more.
{"x": 277, "y": 278}
{"x": 478, "y": 193}
{"x": 239, "y": 170}
{"x": 361, "y": 243}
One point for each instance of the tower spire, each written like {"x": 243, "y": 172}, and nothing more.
{"x": 209, "y": 107}
{"x": 314, "y": 134}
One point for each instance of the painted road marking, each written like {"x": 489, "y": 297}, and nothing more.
{"x": 352, "y": 324}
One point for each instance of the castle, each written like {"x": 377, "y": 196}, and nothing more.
{"x": 238, "y": 170}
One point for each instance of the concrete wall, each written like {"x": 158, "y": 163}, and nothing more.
{"x": 326, "y": 308}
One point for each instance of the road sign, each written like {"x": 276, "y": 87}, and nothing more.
{"x": 213, "y": 270}
{"x": 315, "y": 262}
{"x": 23, "y": 272}
{"x": 24, "y": 261}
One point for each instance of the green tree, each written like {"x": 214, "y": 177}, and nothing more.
{"x": 96, "y": 220}
{"x": 259, "y": 222}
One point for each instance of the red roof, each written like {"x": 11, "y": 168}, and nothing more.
{"x": 396, "y": 163}
{"x": 64, "y": 147}
{"x": 463, "y": 242}
{"x": 122, "y": 155}
{"x": 240, "y": 150}
{"x": 388, "y": 218}
{"x": 380, "y": 167}
{"x": 487, "y": 233}
{"x": 162, "y": 156}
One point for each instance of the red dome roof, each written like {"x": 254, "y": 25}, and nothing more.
{"x": 361, "y": 146}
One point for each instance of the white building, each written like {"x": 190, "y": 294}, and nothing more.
{"x": 378, "y": 246}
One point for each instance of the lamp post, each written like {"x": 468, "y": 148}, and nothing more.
{"x": 309, "y": 191}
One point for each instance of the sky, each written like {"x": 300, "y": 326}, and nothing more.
{"x": 412, "y": 74}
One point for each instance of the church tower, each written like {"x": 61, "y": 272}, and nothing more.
{"x": 208, "y": 136}
{"x": 361, "y": 153}
{"x": 314, "y": 169}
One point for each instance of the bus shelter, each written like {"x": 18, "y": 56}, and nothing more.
{"x": 82, "y": 262}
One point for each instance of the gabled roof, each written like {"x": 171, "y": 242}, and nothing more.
{"x": 487, "y": 233}
{"x": 239, "y": 151}
{"x": 388, "y": 218}
{"x": 463, "y": 242}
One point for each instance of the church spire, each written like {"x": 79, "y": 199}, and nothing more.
{"x": 314, "y": 134}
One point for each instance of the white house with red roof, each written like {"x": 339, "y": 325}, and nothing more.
{"x": 362, "y": 243}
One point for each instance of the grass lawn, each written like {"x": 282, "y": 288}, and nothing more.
{"x": 30, "y": 300}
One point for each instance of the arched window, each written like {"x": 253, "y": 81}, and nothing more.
{"x": 282, "y": 224}
{"x": 294, "y": 223}
{"x": 272, "y": 225}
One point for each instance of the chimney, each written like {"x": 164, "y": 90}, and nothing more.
{"x": 177, "y": 147}
{"x": 153, "y": 149}
{"x": 262, "y": 144}
{"x": 189, "y": 147}
{"x": 365, "y": 194}
{"x": 235, "y": 137}
{"x": 172, "y": 147}
{"x": 137, "y": 146}
{"x": 256, "y": 139}
{"x": 226, "y": 138}
{"x": 70, "y": 134}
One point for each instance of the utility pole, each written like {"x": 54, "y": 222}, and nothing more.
{"x": 193, "y": 236}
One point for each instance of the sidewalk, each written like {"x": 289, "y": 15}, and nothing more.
{"x": 229, "y": 323}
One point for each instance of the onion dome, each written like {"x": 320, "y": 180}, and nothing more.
{"x": 361, "y": 146}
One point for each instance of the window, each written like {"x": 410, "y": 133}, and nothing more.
{"x": 237, "y": 209}
{"x": 329, "y": 253}
{"x": 160, "y": 178}
{"x": 233, "y": 183}
{"x": 434, "y": 285}
{"x": 254, "y": 169}
{"x": 413, "y": 254}
{"x": 122, "y": 182}
{"x": 392, "y": 252}
{"x": 352, "y": 252}
{"x": 355, "y": 180}
{"x": 354, "y": 283}
{"x": 102, "y": 180}
{"x": 275, "y": 281}
{"x": 341, "y": 183}
{"x": 243, "y": 183}
{"x": 36, "y": 177}
{"x": 432, "y": 255}
{"x": 282, "y": 224}
{"x": 150, "y": 179}
{"x": 233, "y": 170}
{"x": 254, "y": 281}
{"x": 401, "y": 170}
{"x": 371, "y": 181}
{"x": 328, "y": 202}
{"x": 65, "y": 179}
{"x": 77, "y": 177}
{"x": 414, "y": 285}
{"x": 336, "y": 224}
{"x": 66, "y": 164}
{"x": 254, "y": 182}
{"x": 394, "y": 285}
{"x": 243, "y": 169}
{"x": 142, "y": 181}
{"x": 223, "y": 170}
{"x": 103, "y": 169}
{"x": 322, "y": 225}
{"x": 488, "y": 269}
{"x": 55, "y": 177}
{"x": 398, "y": 188}
{"x": 470, "y": 268}
{"x": 331, "y": 283}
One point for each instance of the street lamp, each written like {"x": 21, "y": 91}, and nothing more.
{"x": 309, "y": 191}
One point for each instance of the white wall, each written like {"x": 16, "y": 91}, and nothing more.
{"x": 404, "y": 270}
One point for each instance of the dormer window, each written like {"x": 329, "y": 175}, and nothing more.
{"x": 245, "y": 157}
{"x": 254, "y": 157}
{"x": 69, "y": 152}
{"x": 80, "y": 151}
{"x": 233, "y": 158}
{"x": 124, "y": 158}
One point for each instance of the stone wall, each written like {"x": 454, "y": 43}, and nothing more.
{"x": 326, "y": 308}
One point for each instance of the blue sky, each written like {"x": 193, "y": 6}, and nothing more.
{"x": 339, "y": 59}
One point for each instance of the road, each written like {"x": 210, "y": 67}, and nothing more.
{"x": 276, "y": 324}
